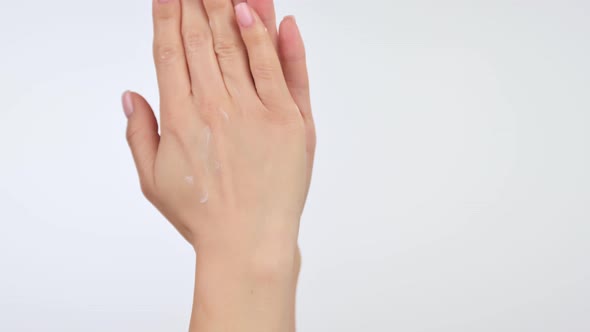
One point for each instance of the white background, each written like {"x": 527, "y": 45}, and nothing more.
{"x": 451, "y": 193}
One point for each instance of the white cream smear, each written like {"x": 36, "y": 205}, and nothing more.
{"x": 190, "y": 180}
{"x": 225, "y": 115}
{"x": 205, "y": 158}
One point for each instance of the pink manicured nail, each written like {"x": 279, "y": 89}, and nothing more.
{"x": 127, "y": 104}
{"x": 244, "y": 15}
{"x": 164, "y": 1}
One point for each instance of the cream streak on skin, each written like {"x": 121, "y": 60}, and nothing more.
{"x": 205, "y": 158}
{"x": 190, "y": 180}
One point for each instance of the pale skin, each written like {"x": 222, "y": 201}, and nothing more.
{"x": 229, "y": 163}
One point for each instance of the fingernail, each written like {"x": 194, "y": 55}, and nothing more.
{"x": 127, "y": 104}
{"x": 244, "y": 15}
{"x": 291, "y": 17}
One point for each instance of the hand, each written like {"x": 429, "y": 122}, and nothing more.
{"x": 232, "y": 166}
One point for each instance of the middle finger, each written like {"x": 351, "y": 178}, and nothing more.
{"x": 229, "y": 47}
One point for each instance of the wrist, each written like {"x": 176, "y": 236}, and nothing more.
{"x": 262, "y": 251}
{"x": 246, "y": 292}
{"x": 271, "y": 267}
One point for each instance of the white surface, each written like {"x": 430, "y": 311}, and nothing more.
{"x": 451, "y": 190}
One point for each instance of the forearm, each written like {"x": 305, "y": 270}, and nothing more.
{"x": 256, "y": 294}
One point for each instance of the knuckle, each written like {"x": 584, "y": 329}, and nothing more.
{"x": 195, "y": 40}
{"x": 263, "y": 70}
{"x": 165, "y": 12}
{"x": 226, "y": 48}
{"x": 165, "y": 54}
{"x": 133, "y": 135}
{"x": 286, "y": 117}
{"x": 259, "y": 38}
{"x": 216, "y": 5}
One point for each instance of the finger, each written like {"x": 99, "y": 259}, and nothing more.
{"x": 169, "y": 56}
{"x": 142, "y": 136}
{"x": 229, "y": 47}
{"x": 205, "y": 76}
{"x": 293, "y": 60}
{"x": 294, "y": 63}
{"x": 266, "y": 11}
{"x": 264, "y": 61}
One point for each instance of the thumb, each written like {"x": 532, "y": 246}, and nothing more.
{"x": 142, "y": 136}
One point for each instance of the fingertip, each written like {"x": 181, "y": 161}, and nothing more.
{"x": 288, "y": 21}
{"x": 290, "y": 41}
{"x": 244, "y": 15}
{"x": 127, "y": 102}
